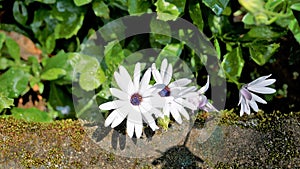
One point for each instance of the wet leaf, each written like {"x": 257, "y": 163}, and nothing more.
{"x": 81, "y": 2}
{"x": 31, "y": 114}
{"x": 138, "y": 6}
{"x": 20, "y": 12}
{"x": 262, "y": 53}
{"x": 196, "y": 14}
{"x": 166, "y": 10}
{"x": 13, "y": 48}
{"x": 14, "y": 82}
{"x": 157, "y": 27}
{"x": 53, "y": 74}
{"x": 295, "y": 29}
{"x": 114, "y": 56}
{"x": 101, "y": 9}
{"x": 5, "y": 102}
{"x": 233, "y": 63}
{"x": 217, "y": 6}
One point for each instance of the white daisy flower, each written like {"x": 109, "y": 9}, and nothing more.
{"x": 201, "y": 100}
{"x": 174, "y": 93}
{"x": 135, "y": 101}
{"x": 249, "y": 99}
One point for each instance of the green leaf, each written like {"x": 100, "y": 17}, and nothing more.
{"x": 53, "y": 74}
{"x": 262, "y": 53}
{"x": 296, "y": 6}
{"x": 101, "y": 9}
{"x": 233, "y": 63}
{"x": 2, "y": 39}
{"x": 114, "y": 55}
{"x": 138, "y": 6}
{"x": 81, "y": 2}
{"x": 5, "y": 102}
{"x": 164, "y": 122}
{"x": 42, "y": 1}
{"x": 157, "y": 27}
{"x": 249, "y": 19}
{"x": 20, "y": 12}
{"x": 13, "y": 82}
{"x": 5, "y": 63}
{"x": 63, "y": 61}
{"x": 13, "y": 48}
{"x": 295, "y": 29}
{"x": 166, "y": 11}
{"x": 69, "y": 27}
{"x": 262, "y": 32}
{"x": 196, "y": 14}
{"x": 170, "y": 51}
{"x": 31, "y": 114}
{"x": 217, "y": 6}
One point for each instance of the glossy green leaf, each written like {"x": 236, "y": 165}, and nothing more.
{"x": 248, "y": 19}
{"x": 196, "y": 14}
{"x": 233, "y": 63}
{"x": 31, "y": 114}
{"x": 62, "y": 61}
{"x": 69, "y": 27}
{"x": 217, "y": 6}
{"x": 296, "y": 6}
{"x": 166, "y": 10}
{"x": 42, "y": 1}
{"x": 5, "y": 63}
{"x": 138, "y": 6}
{"x": 20, "y": 12}
{"x": 53, "y": 74}
{"x": 295, "y": 29}
{"x": 81, "y": 2}
{"x": 2, "y": 39}
{"x": 171, "y": 51}
{"x": 262, "y": 32}
{"x": 13, "y": 82}
{"x": 5, "y": 102}
{"x": 262, "y": 53}
{"x": 13, "y": 48}
{"x": 114, "y": 55}
{"x": 101, "y": 9}
{"x": 157, "y": 27}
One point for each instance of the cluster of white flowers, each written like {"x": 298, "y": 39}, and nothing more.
{"x": 143, "y": 103}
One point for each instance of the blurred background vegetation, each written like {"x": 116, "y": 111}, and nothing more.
{"x": 41, "y": 41}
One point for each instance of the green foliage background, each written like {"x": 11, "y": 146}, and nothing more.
{"x": 242, "y": 32}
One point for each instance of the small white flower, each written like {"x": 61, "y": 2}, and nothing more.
{"x": 135, "y": 100}
{"x": 174, "y": 93}
{"x": 249, "y": 99}
{"x": 201, "y": 100}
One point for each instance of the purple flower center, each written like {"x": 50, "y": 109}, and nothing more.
{"x": 165, "y": 92}
{"x": 136, "y": 99}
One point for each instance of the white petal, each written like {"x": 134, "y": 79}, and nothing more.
{"x": 112, "y": 105}
{"x": 119, "y": 94}
{"x": 156, "y": 101}
{"x": 150, "y": 121}
{"x": 135, "y": 118}
{"x": 265, "y": 82}
{"x": 180, "y": 83}
{"x": 253, "y": 105}
{"x": 156, "y": 75}
{"x": 182, "y": 111}
{"x": 163, "y": 68}
{"x": 185, "y": 103}
{"x": 138, "y": 130}
{"x": 203, "y": 89}
{"x": 258, "y": 99}
{"x": 129, "y": 128}
{"x": 262, "y": 90}
{"x": 258, "y": 80}
{"x": 176, "y": 115}
{"x": 145, "y": 81}
{"x": 168, "y": 75}
{"x": 166, "y": 110}
{"x": 136, "y": 76}
{"x": 110, "y": 118}
{"x": 119, "y": 118}
{"x": 126, "y": 81}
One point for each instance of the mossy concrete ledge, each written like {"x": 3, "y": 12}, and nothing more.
{"x": 263, "y": 140}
